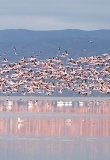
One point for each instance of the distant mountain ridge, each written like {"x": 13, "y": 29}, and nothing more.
{"x": 44, "y": 44}
{"x": 57, "y": 33}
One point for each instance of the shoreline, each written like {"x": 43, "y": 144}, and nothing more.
{"x": 55, "y": 98}
{"x": 50, "y": 115}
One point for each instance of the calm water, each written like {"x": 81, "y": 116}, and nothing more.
{"x": 54, "y": 130}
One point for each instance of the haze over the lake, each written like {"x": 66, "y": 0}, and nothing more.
{"x": 54, "y": 15}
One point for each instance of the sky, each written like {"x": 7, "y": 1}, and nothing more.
{"x": 55, "y": 14}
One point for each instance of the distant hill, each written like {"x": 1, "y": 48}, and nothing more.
{"x": 44, "y": 44}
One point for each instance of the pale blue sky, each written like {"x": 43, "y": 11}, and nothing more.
{"x": 55, "y": 14}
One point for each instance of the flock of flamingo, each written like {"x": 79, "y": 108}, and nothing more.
{"x": 58, "y": 74}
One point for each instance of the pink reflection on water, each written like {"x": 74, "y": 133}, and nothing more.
{"x": 54, "y": 138}
{"x": 60, "y": 127}
{"x": 32, "y": 106}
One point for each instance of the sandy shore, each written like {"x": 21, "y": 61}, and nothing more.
{"x": 55, "y": 98}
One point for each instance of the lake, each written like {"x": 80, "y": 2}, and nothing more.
{"x": 54, "y": 128}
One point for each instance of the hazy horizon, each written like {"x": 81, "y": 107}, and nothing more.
{"x": 54, "y": 29}
{"x": 55, "y": 15}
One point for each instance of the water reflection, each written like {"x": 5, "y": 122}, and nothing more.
{"x": 56, "y": 127}
{"x": 54, "y": 130}
{"x": 91, "y": 107}
{"x": 54, "y": 150}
